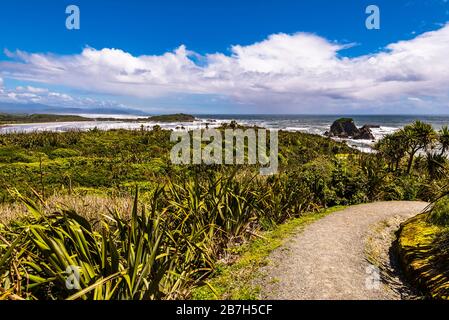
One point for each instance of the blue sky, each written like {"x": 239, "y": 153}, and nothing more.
{"x": 227, "y": 56}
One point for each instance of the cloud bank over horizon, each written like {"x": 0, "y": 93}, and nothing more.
{"x": 292, "y": 73}
{"x": 35, "y": 95}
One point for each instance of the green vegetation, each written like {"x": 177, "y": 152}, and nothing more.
{"x": 179, "y": 117}
{"x": 343, "y": 120}
{"x": 187, "y": 220}
{"x": 414, "y": 138}
{"x": 113, "y": 162}
{"x": 418, "y": 152}
{"x": 440, "y": 213}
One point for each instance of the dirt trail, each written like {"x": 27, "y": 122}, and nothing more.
{"x": 329, "y": 259}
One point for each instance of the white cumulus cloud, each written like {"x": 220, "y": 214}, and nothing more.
{"x": 290, "y": 72}
{"x": 35, "y": 95}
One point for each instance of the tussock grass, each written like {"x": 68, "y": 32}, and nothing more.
{"x": 89, "y": 206}
{"x": 160, "y": 249}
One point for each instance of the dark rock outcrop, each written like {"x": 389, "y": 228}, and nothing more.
{"x": 364, "y": 134}
{"x": 343, "y": 128}
{"x": 346, "y": 128}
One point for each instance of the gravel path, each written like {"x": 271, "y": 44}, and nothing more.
{"x": 329, "y": 259}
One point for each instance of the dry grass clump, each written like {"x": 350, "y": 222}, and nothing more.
{"x": 87, "y": 206}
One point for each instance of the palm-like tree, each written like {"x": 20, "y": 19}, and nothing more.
{"x": 435, "y": 165}
{"x": 418, "y": 136}
{"x": 443, "y": 139}
{"x": 393, "y": 148}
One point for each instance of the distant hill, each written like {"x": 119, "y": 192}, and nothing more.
{"x": 14, "y": 118}
{"x": 17, "y": 108}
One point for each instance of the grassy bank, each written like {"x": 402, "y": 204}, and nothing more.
{"x": 423, "y": 248}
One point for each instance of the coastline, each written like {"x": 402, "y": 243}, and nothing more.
{"x": 317, "y": 125}
{"x": 201, "y": 122}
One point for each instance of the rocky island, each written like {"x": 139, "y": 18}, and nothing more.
{"x": 179, "y": 117}
{"x": 345, "y": 128}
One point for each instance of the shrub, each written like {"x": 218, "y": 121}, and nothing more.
{"x": 440, "y": 212}
{"x": 64, "y": 153}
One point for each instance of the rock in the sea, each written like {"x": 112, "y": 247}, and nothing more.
{"x": 364, "y": 134}
{"x": 346, "y": 128}
{"x": 343, "y": 128}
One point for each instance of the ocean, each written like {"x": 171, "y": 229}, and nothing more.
{"x": 315, "y": 124}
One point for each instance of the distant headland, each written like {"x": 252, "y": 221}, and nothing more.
{"x": 6, "y": 118}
